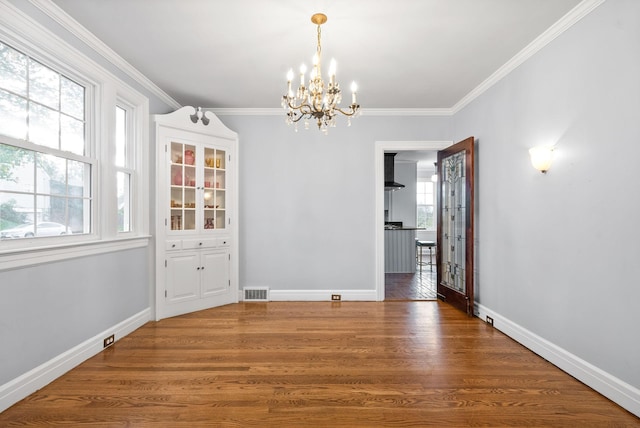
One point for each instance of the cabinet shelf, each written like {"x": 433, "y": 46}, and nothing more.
{"x": 197, "y": 189}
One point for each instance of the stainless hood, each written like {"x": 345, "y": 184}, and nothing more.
{"x": 389, "y": 174}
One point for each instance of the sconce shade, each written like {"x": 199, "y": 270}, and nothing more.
{"x": 541, "y": 157}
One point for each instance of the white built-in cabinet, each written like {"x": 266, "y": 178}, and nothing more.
{"x": 196, "y": 216}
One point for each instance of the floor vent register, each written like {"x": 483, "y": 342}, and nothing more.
{"x": 256, "y": 294}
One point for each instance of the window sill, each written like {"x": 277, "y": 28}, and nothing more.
{"x": 24, "y": 257}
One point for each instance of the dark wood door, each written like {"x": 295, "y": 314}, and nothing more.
{"x": 454, "y": 253}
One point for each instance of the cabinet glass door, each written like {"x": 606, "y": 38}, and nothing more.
{"x": 214, "y": 190}
{"x": 183, "y": 186}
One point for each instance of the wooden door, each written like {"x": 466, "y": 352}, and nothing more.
{"x": 454, "y": 255}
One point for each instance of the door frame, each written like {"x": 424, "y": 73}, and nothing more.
{"x": 380, "y": 147}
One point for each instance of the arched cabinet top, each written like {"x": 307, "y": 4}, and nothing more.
{"x": 195, "y": 120}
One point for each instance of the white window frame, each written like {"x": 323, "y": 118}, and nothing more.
{"x": 104, "y": 91}
{"x": 435, "y": 220}
{"x": 127, "y": 167}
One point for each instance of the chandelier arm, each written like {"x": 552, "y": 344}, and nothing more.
{"x": 295, "y": 119}
{"x": 300, "y": 107}
{"x": 354, "y": 110}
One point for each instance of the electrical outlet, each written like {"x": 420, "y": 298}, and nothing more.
{"x": 108, "y": 341}
{"x": 489, "y": 320}
{"x": 336, "y": 297}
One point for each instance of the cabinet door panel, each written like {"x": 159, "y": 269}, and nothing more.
{"x": 183, "y": 277}
{"x": 215, "y": 275}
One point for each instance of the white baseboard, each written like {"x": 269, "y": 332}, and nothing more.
{"x": 28, "y": 383}
{"x": 616, "y": 390}
{"x": 321, "y": 295}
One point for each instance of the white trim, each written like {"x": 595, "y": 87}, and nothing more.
{"x": 605, "y": 383}
{"x": 380, "y": 147}
{"x": 54, "y": 12}
{"x": 573, "y": 16}
{"x": 320, "y": 295}
{"x": 36, "y": 256}
{"x": 20, "y": 387}
{"x": 364, "y": 112}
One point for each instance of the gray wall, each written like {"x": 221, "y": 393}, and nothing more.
{"x": 558, "y": 253}
{"x": 307, "y": 199}
{"x": 48, "y": 309}
{"x": 403, "y": 201}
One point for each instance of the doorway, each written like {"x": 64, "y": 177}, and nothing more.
{"x": 409, "y": 280}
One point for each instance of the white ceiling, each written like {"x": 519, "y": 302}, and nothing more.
{"x": 418, "y": 54}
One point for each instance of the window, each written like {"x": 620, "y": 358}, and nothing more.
{"x": 73, "y": 151}
{"x": 426, "y": 217}
{"x": 123, "y": 171}
{"x": 45, "y": 174}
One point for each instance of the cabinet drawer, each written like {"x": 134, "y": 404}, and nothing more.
{"x": 223, "y": 242}
{"x": 172, "y": 245}
{"x": 198, "y": 243}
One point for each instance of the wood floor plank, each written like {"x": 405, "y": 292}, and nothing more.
{"x": 318, "y": 364}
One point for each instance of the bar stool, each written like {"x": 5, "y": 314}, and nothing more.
{"x": 419, "y": 246}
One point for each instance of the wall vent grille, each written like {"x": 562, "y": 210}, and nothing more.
{"x": 256, "y": 294}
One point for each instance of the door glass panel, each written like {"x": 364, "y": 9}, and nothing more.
{"x": 453, "y": 233}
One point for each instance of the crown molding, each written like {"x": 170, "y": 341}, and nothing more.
{"x": 573, "y": 16}
{"x": 363, "y": 112}
{"x": 54, "y": 12}
{"x": 407, "y": 112}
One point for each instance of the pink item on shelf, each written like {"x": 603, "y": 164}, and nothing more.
{"x": 177, "y": 178}
{"x": 189, "y": 157}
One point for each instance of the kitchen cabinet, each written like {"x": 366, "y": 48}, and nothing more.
{"x": 196, "y": 215}
{"x": 400, "y": 250}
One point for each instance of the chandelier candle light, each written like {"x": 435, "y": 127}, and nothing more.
{"x": 314, "y": 101}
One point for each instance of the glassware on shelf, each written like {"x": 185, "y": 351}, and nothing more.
{"x": 176, "y": 222}
{"x": 189, "y": 157}
{"x": 177, "y": 178}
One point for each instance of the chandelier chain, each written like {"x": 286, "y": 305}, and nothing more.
{"x": 319, "y": 48}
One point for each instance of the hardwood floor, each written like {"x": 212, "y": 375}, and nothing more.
{"x": 411, "y": 286}
{"x": 318, "y": 364}
{"x": 420, "y": 285}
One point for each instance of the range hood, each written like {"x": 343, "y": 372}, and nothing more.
{"x": 389, "y": 174}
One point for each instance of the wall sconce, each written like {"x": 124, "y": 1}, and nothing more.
{"x": 541, "y": 157}
{"x": 434, "y": 177}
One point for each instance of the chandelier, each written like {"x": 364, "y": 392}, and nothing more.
{"x": 316, "y": 101}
